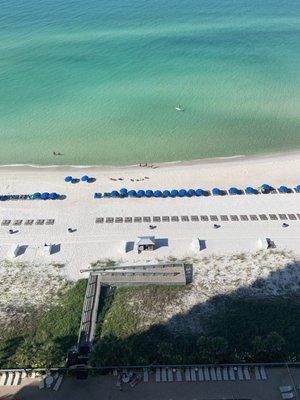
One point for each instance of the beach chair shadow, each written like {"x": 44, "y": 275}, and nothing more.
{"x": 21, "y": 250}
{"x": 91, "y": 180}
{"x": 162, "y": 242}
{"x": 129, "y": 247}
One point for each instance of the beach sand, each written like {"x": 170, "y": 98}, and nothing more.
{"x": 91, "y": 241}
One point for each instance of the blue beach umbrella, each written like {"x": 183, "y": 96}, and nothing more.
{"x": 283, "y": 189}
{"x": 266, "y": 188}
{"x": 158, "y": 193}
{"x": 200, "y": 192}
{"x": 84, "y": 178}
{"x": 45, "y": 196}
{"x": 132, "y": 193}
{"x": 149, "y": 193}
{"x": 68, "y": 178}
{"x": 250, "y": 190}
{"x": 53, "y": 196}
{"x": 174, "y": 193}
{"x": 141, "y": 193}
{"x": 182, "y": 193}
{"x": 36, "y": 195}
{"x": 114, "y": 193}
{"x": 297, "y": 188}
{"x": 123, "y": 191}
{"x": 166, "y": 193}
{"x": 234, "y": 190}
{"x": 191, "y": 192}
{"x": 216, "y": 192}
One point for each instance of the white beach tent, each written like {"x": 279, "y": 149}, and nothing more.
{"x": 198, "y": 244}
{"x": 262, "y": 243}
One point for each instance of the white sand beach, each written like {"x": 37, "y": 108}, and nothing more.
{"x": 93, "y": 241}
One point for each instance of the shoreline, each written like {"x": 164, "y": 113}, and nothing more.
{"x": 165, "y": 164}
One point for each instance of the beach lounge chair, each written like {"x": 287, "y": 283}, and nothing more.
{"x": 204, "y": 218}
{"x": 283, "y": 217}
{"x": 187, "y": 375}
{"x": 193, "y": 374}
{"x": 263, "y": 217}
{"x": 58, "y": 383}
{"x": 157, "y": 375}
{"x": 51, "y": 221}
{"x": 231, "y": 374}
{"x": 284, "y": 389}
{"x": 170, "y": 374}
{"x": 29, "y": 222}
{"x": 257, "y": 373}
{"x": 17, "y": 379}
{"x": 240, "y": 373}
{"x": 137, "y": 219}
{"x": 253, "y": 217}
{"x": 244, "y": 218}
{"x": 128, "y": 220}
{"x": 292, "y": 217}
{"x": 156, "y": 219}
{"x": 3, "y": 378}
{"x": 206, "y": 374}
{"x": 224, "y": 218}
{"x": 145, "y": 375}
{"x": 147, "y": 219}
{"x": 10, "y": 379}
{"x": 263, "y": 373}
{"x": 287, "y": 396}
{"x": 234, "y": 218}
{"x": 178, "y": 375}
{"x": 218, "y": 373}
{"x": 213, "y": 374}
{"x": 194, "y": 218}
{"x": 200, "y": 374}
{"x": 174, "y": 218}
{"x": 225, "y": 373}
{"x": 247, "y": 373}
{"x": 164, "y": 375}
{"x": 185, "y": 218}
{"x": 214, "y": 218}
{"x": 165, "y": 219}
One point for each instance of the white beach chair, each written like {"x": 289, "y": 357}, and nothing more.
{"x": 164, "y": 375}
{"x": 17, "y": 379}
{"x": 193, "y": 374}
{"x": 225, "y": 373}
{"x": 231, "y": 374}
{"x": 218, "y": 373}
{"x": 206, "y": 374}
{"x": 213, "y": 374}
{"x": 178, "y": 375}
{"x": 200, "y": 374}
{"x": 23, "y": 374}
{"x": 58, "y": 383}
{"x": 247, "y": 373}
{"x": 3, "y": 378}
{"x": 284, "y": 389}
{"x": 145, "y": 375}
{"x": 240, "y": 373}
{"x": 257, "y": 373}
{"x": 263, "y": 373}
{"x": 286, "y": 396}
{"x": 157, "y": 375}
{"x": 10, "y": 379}
{"x": 170, "y": 374}
{"x": 187, "y": 375}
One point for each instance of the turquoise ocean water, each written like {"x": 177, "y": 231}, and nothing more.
{"x": 98, "y": 80}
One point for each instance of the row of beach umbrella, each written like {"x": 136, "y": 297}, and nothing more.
{"x": 70, "y": 179}
{"x": 265, "y": 188}
{"x": 45, "y": 196}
